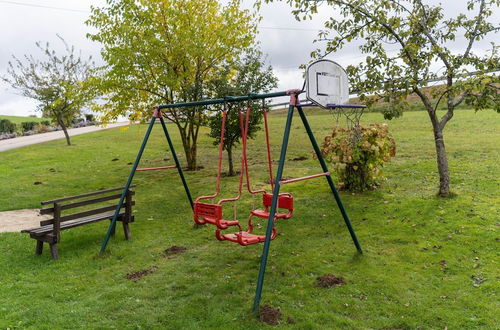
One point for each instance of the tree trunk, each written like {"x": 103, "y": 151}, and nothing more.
{"x": 189, "y": 147}
{"x": 230, "y": 161}
{"x": 65, "y": 130}
{"x": 437, "y": 127}
{"x": 190, "y": 151}
{"x": 442, "y": 163}
{"x": 191, "y": 156}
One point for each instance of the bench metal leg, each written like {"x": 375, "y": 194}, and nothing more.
{"x": 126, "y": 230}
{"x": 53, "y": 250}
{"x": 39, "y": 247}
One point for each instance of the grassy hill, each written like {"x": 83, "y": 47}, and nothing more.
{"x": 428, "y": 262}
{"x": 19, "y": 119}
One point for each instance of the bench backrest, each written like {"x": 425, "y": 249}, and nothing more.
{"x": 68, "y": 203}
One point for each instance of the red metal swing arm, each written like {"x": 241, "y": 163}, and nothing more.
{"x": 243, "y": 162}
{"x": 268, "y": 145}
{"x": 304, "y": 178}
{"x": 219, "y": 168}
{"x": 155, "y": 168}
{"x": 244, "y": 138}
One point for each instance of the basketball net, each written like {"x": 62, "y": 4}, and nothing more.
{"x": 352, "y": 117}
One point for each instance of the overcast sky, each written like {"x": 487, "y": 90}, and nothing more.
{"x": 286, "y": 42}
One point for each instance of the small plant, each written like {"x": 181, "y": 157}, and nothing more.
{"x": 4, "y": 136}
{"x": 89, "y": 117}
{"x": 357, "y": 154}
{"x": 41, "y": 128}
{"x": 45, "y": 122}
{"x": 6, "y": 126}
{"x": 28, "y": 125}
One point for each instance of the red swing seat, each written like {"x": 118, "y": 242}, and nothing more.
{"x": 244, "y": 238}
{"x": 285, "y": 201}
{"x": 212, "y": 214}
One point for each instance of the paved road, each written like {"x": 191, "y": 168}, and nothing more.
{"x": 38, "y": 138}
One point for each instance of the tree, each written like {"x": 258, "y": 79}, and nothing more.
{"x": 247, "y": 76}
{"x": 167, "y": 51}
{"x": 424, "y": 38}
{"x": 60, "y": 83}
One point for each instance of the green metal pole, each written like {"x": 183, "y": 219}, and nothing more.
{"x": 274, "y": 204}
{"x": 177, "y": 163}
{"x": 229, "y": 99}
{"x": 329, "y": 178}
{"x": 112, "y": 225}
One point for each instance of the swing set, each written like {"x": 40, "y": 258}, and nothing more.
{"x": 326, "y": 83}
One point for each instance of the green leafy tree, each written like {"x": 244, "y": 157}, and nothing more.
{"x": 167, "y": 51}
{"x": 248, "y": 75}
{"x": 424, "y": 38}
{"x": 60, "y": 83}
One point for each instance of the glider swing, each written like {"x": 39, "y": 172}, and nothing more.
{"x": 212, "y": 213}
{"x": 326, "y": 86}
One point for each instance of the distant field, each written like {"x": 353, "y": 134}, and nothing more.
{"x": 19, "y": 119}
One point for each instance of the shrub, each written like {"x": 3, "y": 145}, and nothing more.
{"x": 42, "y": 129}
{"x": 4, "y": 136}
{"x": 79, "y": 124}
{"x": 89, "y": 117}
{"x": 45, "y": 122}
{"x": 358, "y": 154}
{"x": 6, "y": 126}
{"x": 28, "y": 125}
{"x": 77, "y": 120}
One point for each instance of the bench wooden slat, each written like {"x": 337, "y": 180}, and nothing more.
{"x": 82, "y": 214}
{"x": 83, "y": 195}
{"x": 75, "y": 223}
{"x": 85, "y": 202}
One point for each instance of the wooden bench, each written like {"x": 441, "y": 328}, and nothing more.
{"x": 50, "y": 230}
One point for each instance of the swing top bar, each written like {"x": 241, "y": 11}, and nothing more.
{"x": 253, "y": 97}
{"x": 231, "y": 99}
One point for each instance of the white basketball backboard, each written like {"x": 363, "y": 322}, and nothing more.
{"x": 326, "y": 83}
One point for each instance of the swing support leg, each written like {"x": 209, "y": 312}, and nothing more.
{"x": 274, "y": 204}
{"x": 329, "y": 178}
{"x": 112, "y": 224}
{"x": 177, "y": 163}
{"x": 157, "y": 114}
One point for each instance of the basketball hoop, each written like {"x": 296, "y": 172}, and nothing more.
{"x": 328, "y": 86}
{"x": 326, "y": 83}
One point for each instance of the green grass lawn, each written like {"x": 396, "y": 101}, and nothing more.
{"x": 18, "y": 119}
{"x": 428, "y": 263}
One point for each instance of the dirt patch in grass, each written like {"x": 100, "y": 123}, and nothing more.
{"x": 173, "y": 250}
{"x": 269, "y": 315}
{"x": 138, "y": 275}
{"x": 298, "y": 159}
{"x": 329, "y": 280}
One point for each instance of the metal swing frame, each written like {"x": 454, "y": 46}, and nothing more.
{"x": 294, "y": 104}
